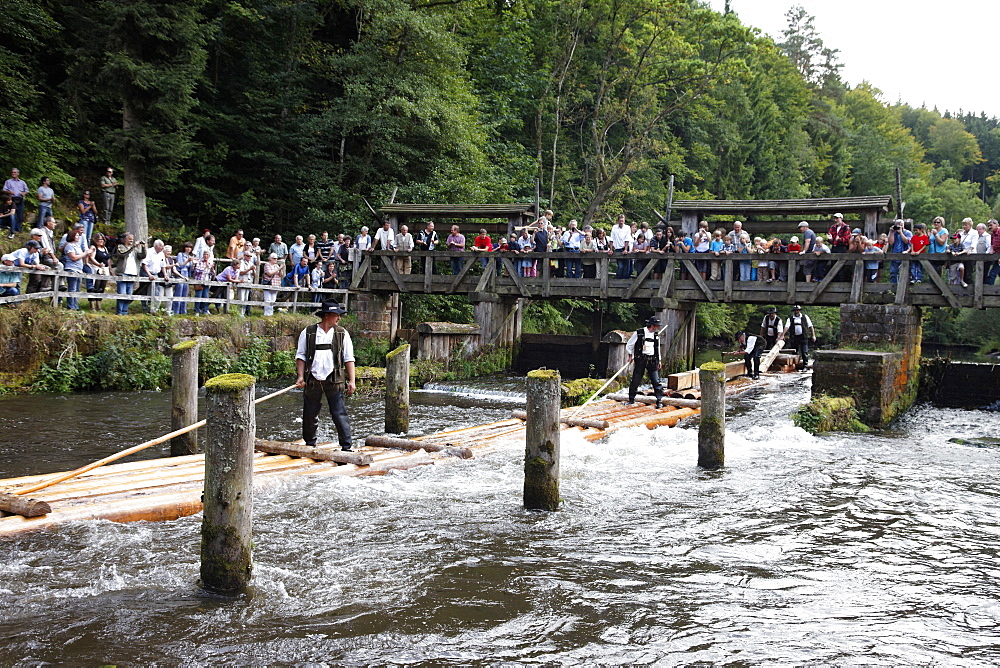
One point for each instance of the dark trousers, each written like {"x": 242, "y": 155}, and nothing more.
{"x": 312, "y": 404}
{"x": 994, "y": 273}
{"x": 752, "y": 363}
{"x": 645, "y": 365}
{"x": 801, "y": 344}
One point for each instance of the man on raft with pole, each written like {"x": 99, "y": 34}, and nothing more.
{"x": 647, "y": 359}
{"x": 325, "y": 365}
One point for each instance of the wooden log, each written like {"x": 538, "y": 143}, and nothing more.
{"x": 419, "y": 458}
{"x": 184, "y": 398}
{"x": 667, "y": 401}
{"x": 333, "y": 454}
{"x": 541, "y": 439}
{"x": 586, "y": 423}
{"x": 410, "y": 444}
{"x": 397, "y": 390}
{"x": 712, "y": 429}
{"x": 226, "y": 559}
{"x": 770, "y": 355}
{"x": 18, "y": 505}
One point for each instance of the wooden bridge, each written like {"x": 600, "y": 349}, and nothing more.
{"x": 499, "y": 279}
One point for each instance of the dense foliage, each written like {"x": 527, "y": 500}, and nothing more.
{"x": 282, "y": 116}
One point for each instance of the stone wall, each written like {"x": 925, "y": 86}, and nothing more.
{"x": 378, "y": 314}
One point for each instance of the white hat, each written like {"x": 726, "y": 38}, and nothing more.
{"x": 838, "y": 215}
{"x": 795, "y": 239}
{"x": 803, "y": 224}
{"x": 8, "y": 256}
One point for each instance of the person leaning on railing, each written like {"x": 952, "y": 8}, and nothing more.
{"x": 271, "y": 276}
{"x": 10, "y": 281}
{"x": 202, "y": 271}
{"x": 994, "y": 272}
{"x": 404, "y": 246}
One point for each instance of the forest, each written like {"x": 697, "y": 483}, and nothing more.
{"x": 283, "y": 116}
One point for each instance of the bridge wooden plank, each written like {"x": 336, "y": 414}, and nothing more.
{"x": 668, "y": 279}
{"x": 699, "y": 281}
{"x": 362, "y": 271}
{"x": 827, "y": 280}
{"x": 727, "y": 268}
{"x": 516, "y": 278}
{"x": 977, "y": 286}
{"x": 546, "y": 277}
{"x": 902, "y": 282}
{"x": 936, "y": 279}
{"x": 603, "y": 263}
{"x": 390, "y": 267}
{"x": 858, "y": 282}
{"x": 643, "y": 275}
{"x": 792, "y": 281}
{"x": 465, "y": 270}
{"x": 484, "y": 280}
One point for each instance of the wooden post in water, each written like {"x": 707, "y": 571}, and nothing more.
{"x": 225, "y": 529}
{"x": 397, "y": 390}
{"x": 184, "y": 390}
{"x": 541, "y": 439}
{"x": 712, "y": 429}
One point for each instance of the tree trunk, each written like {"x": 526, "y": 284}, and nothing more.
{"x": 136, "y": 222}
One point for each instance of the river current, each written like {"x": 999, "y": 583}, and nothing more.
{"x": 833, "y": 550}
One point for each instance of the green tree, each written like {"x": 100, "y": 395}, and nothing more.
{"x": 949, "y": 142}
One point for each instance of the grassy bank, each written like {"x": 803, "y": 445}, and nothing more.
{"x": 48, "y": 349}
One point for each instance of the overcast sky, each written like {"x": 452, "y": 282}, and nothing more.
{"x": 922, "y": 53}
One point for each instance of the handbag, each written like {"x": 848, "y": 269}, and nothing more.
{"x": 103, "y": 271}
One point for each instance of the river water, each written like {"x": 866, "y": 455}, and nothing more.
{"x": 834, "y": 550}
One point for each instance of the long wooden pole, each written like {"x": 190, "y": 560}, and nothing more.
{"x": 130, "y": 451}
{"x": 541, "y": 441}
{"x": 184, "y": 395}
{"x": 603, "y": 387}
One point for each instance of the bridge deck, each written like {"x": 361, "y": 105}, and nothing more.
{"x": 499, "y": 278}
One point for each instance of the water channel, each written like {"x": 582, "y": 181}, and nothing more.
{"x": 835, "y": 550}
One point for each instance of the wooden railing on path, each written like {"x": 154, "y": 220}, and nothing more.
{"x": 55, "y": 293}
{"x": 377, "y": 272}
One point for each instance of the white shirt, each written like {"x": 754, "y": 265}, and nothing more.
{"x": 621, "y": 237}
{"x": 571, "y": 238}
{"x": 322, "y": 365}
{"x": 363, "y": 242}
{"x": 647, "y": 342}
{"x": 154, "y": 262}
{"x": 801, "y": 328}
{"x": 386, "y": 239}
{"x": 969, "y": 240}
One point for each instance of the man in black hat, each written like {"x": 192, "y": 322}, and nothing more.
{"x": 770, "y": 328}
{"x": 325, "y": 365}
{"x": 644, "y": 347}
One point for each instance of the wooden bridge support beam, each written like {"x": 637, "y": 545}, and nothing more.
{"x": 499, "y": 321}
{"x": 677, "y": 337}
{"x": 226, "y": 563}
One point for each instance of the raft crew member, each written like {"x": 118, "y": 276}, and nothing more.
{"x": 325, "y": 365}
{"x": 647, "y": 359}
{"x": 800, "y": 328}
{"x": 751, "y": 347}
{"x": 770, "y": 328}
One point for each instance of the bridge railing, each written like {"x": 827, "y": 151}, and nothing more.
{"x": 665, "y": 277}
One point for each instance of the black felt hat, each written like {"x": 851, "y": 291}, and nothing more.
{"x": 652, "y": 320}
{"x": 330, "y": 306}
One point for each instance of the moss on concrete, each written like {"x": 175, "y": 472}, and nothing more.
{"x": 230, "y": 383}
{"x": 825, "y": 413}
{"x": 184, "y": 345}
{"x": 544, "y": 374}
{"x": 715, "y": 366}
{"x": 398, "y": 351}
{"x": 576, "y": 392}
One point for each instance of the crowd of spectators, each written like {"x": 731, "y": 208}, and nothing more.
{"x": 197, "y": 269}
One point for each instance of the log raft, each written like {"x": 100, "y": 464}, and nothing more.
{"x": 169, "y": 488}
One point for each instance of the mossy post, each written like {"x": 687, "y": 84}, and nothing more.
{"x": 225, "y": 529}
{"x": 712, "y": 430}
{"x": 541, "y": 440}
{"x": 184, "y": 406}
{"x": 397, "y": 390}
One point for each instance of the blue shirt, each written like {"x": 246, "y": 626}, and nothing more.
{"x": 901, "y": 241}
